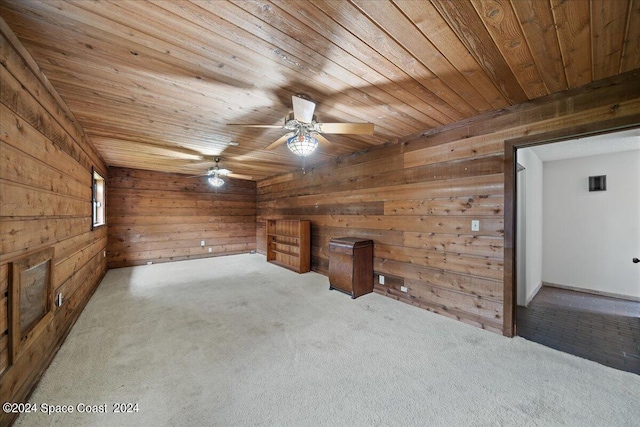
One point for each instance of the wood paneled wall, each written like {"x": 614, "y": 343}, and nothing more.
{"x": 416, "y": 201}
{"x": 45, "y": 201}
{"x": 160, "y": 217}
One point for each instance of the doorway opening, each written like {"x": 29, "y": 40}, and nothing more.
{"x": 556, "y": 309}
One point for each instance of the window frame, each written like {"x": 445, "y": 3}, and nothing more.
{"x": 98, "y": 195}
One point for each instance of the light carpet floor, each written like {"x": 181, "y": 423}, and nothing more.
{"x": 234, "y": 341}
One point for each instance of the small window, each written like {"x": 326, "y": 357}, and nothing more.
{"x": 98, "y": 191}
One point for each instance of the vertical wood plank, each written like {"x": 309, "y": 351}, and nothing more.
{"x": 608, "y": 24}
{"x": 465, "y": 22}
{"x": 503, "y": 26}
{"x": 631, "y": 49}
{"x": 536, "y": 19}
{"x": 401, "y": 29}
{"x": 572, "y": 19}
{"x": 434, "y": 27}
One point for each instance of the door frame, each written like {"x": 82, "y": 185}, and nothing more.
{"x": 521, "y": 219}
{"x": 510, "y": 197}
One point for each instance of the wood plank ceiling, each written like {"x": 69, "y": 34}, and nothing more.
{"x": 155, "y": 83}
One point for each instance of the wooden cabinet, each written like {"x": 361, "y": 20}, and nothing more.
{"x": 289, "y": 244}
{"x": 351, "y": 265}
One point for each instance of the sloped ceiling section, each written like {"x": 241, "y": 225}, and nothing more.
{"x": 155, "y": 83}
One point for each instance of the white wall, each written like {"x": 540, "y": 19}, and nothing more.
{"x": 590, "y": 238}
{"x": 534, "y": 222}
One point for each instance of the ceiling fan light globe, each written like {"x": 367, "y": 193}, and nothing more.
{"x": 302, "y": 145}
{"x": 216, "y": 181}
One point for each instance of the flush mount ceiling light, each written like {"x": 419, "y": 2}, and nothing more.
{"x": 302, "y": 144}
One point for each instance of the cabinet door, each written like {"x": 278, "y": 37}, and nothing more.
{"x": 341, "y": 271}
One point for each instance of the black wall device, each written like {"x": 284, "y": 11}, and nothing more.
{"x": 598, "y": 183}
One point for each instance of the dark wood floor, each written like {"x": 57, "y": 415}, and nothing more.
{"x": 603, "y": 329}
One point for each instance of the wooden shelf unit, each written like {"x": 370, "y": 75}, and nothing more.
{"x": 289, "y": 244}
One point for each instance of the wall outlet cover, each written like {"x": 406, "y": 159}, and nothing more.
{"x": 381, "y": 279}
{"x": 404, "y": 289}
{"x": 475, "y": 225}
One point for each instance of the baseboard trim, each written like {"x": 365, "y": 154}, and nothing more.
{"x": 533, "y": 294}
{"x": 591, "y": 291}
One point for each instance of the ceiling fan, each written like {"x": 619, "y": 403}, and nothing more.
{"x": 304, "y": 129}
{"x": 216, "y": 173}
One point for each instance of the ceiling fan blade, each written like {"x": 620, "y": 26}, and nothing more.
{"x": 279, "y": 141}
{"x": 321, "y": 139}
{"x": 350, "y": 128}
{"x": 239, "y": 176}
{"x": 303, "y": 109}
{"x": 256, "y": 126}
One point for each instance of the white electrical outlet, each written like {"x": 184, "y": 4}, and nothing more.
{"x": 201, "y": 242}
{"x": 210, "y": 250}
{"x": 475, "y": 225}
{"x": 404, "y": 289}
{"x": 381, "y": 279}
{"x": 149, "y": 262}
